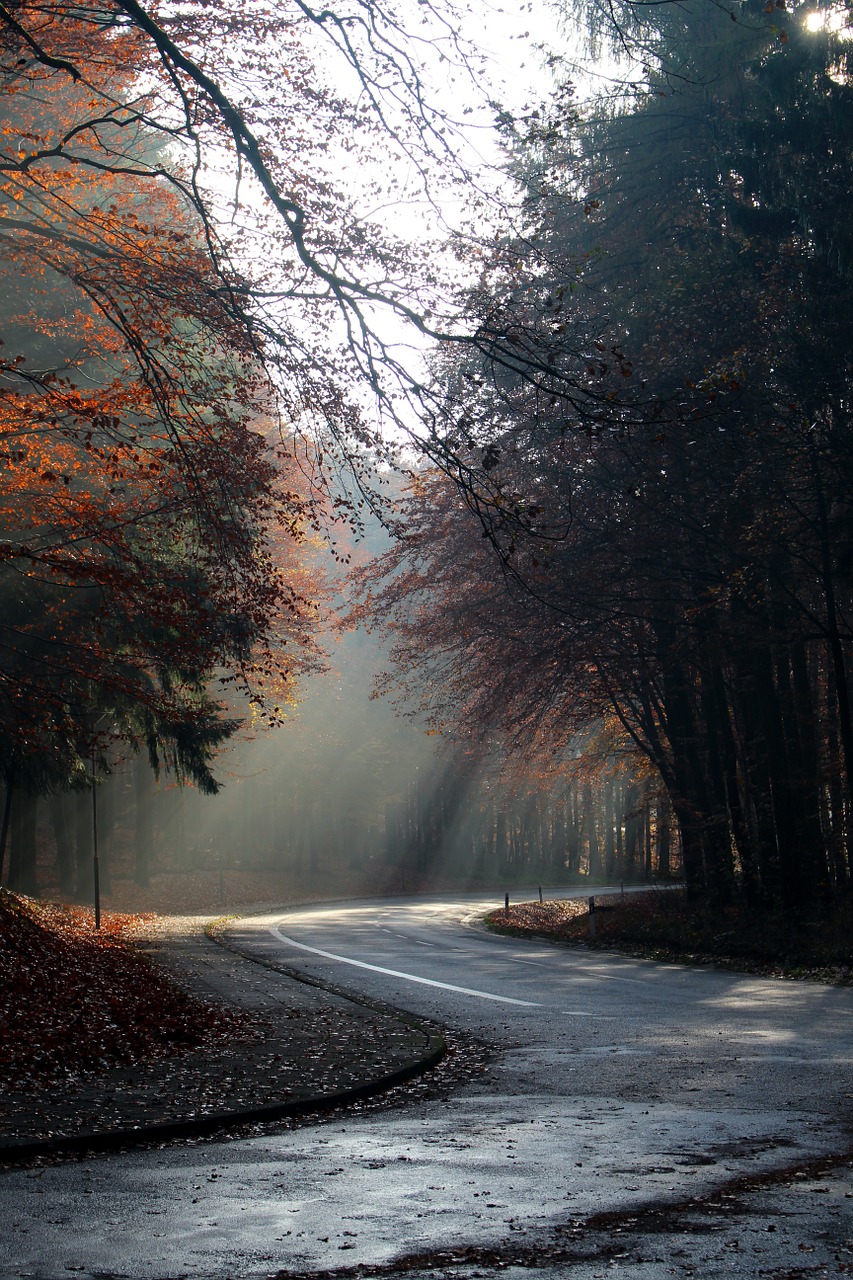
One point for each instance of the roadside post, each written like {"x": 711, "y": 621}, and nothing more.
{"x": 506, "y": 904}
{"x": 592, "y": 917}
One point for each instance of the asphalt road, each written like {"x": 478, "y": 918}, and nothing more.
{"x": 618, "y": 1084}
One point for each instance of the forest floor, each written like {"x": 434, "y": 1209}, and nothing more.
{"x": 76, "y": 1000}
{"x": 660, "y": 925}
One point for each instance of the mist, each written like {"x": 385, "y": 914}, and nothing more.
{"x": 348, "y": 798}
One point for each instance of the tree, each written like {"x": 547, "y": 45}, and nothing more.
{"x": 508, "y": 680}
{"x": 653, "y": 439}
{"x": 244, "y": 96}
{"x": 143, "y": 506}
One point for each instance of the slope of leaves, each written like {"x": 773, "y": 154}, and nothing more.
{"x": 661, "y": 925}
{"x": 75, "y": 1001}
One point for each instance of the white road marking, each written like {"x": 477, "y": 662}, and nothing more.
{"x": 582, "y": 1013}
{"x": 408, "y": 977}
{"x": 593, "y": 975}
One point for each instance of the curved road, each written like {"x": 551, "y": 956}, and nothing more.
{"x": 617, "y": 1083}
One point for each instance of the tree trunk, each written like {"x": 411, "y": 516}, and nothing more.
{"x": 706, "y": 847}
{"x": 662, "y": 835}
{"x": 60, "y": 816}
{"x": 7, "y": 817}
{"x": 609, "y": 835}
{"x": 106, "y": 802}
{"x": 798, "y": 710}
{"x": 594, "y": 858}
{"x": 795, "y": 885}
{"x": 558, "y": 838}
{"x": 836, "y": 649}
{"x": 749, "y": 876}
{"x": 143, "y": 844}
{"x": 23, "y": 875}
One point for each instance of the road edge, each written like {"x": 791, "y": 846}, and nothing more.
{"x": 200, "y": 1126}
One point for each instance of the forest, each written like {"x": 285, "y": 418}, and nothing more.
{"x": 564, "y": 478}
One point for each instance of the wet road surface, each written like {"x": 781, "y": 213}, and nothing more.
{"x": 619, "y": 1085}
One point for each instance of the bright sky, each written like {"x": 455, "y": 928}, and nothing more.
{"x": 505, "y": 65}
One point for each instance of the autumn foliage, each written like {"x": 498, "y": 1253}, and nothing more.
{"x": 149, "y": 527}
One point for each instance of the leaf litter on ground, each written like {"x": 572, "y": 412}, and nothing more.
{"x": 659, "y": 923}
{"x": 76, "y": 1000}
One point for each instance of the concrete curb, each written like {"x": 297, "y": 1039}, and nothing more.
{"x": 198, "y": 1126}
